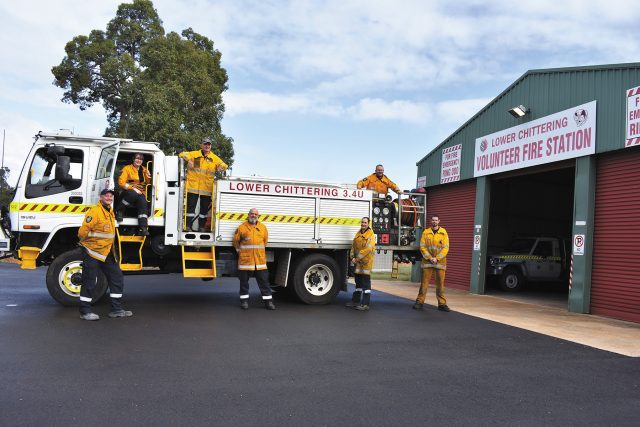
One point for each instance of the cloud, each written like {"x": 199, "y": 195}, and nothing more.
{"x": 378, "y": 109}
{"x": 261, "y": 102}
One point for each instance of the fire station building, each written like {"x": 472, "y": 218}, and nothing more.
{"x": 557, "y": 153}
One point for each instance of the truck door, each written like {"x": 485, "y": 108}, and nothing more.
{"x": 542, "y": 267}
{"x": 52, "y": 180}
{"x": 104, "y": 171}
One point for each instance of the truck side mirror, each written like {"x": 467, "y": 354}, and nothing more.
{"x": 63, "y": 164}
{"x": 54, "y": 151}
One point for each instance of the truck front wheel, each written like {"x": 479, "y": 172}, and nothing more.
{"x": 511, "y": 280}
{"x": 316, "y": 279}
{"x": 64, "y": 279}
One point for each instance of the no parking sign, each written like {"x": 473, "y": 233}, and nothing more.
{"x": 578, "y": 244}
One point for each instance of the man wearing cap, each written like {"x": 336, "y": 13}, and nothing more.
{"x": 201, "y": 168}
{"x": 96, "y": 235}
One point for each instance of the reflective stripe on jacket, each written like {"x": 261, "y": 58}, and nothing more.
{"x": 130, "y": 176}
{"x": 250, "y": 241}
{"x": 362, "y": 249}
{"x": 381, "y": 185}
{"x": 434, "y": 245}
{"x": 98, "y": 231}
{"x": 200, "y": 176}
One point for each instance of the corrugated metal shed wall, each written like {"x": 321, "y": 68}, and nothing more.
{"x": 615, "y": 279}
{"x": 455, "y": 205}
{"x": 546, "y": 92}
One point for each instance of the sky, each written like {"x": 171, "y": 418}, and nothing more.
{"x": 323, "y": 90}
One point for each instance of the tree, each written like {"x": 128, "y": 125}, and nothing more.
{"x": 6, "y": 191}
{"x": 154, "y": 87}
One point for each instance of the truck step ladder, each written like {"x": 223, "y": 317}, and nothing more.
{"x": 199, "y": 262}
{"x": 395, "y": 269}
{"x": 136, "y": 242}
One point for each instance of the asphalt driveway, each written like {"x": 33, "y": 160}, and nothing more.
{"x": 190, "y": 356}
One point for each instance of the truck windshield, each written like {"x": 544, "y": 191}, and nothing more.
{"x": 41, "y": 179}
{"x": 520, "y": 246}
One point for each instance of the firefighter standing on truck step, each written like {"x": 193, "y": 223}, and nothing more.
{"x": 202, "y": 166}
{"x": 250, "y": 242}
{"x": 133, "y": 181}
{"x": 96, "y": 235}
{"x": 378, "y": 182}
{"x": 362, "y": 253}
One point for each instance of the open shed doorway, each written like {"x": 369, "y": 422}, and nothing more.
{"x": 530, "y": 226}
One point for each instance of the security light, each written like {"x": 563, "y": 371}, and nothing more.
{"x": 518, "y": 111}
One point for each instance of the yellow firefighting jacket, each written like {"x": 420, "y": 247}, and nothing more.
{"x": 130, "y": 177}
{"x": 362, "y": 249}
{"x": 381, "y": 185}
{"x": 200, "y": 176}
{"x": 97, "y": 232}
{"x": 250, "y": 242}
{"x": 434, "y": 245}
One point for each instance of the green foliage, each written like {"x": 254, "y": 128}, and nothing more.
{"x": 154, "y": 87}
{"x": 6, "y": 191}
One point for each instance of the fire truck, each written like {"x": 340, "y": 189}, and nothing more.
{"x": 311, "y": 224}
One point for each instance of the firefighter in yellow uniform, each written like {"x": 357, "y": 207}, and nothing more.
{"x": 133, "y": 181}
{"x": 202, "y": 166}
{"x": 362, "y": 253}
{"x": 434, "y": 246}
{"x": 250, "y": 242}
{"x": 378, "y": 182}
{"x": 96, "y": 235}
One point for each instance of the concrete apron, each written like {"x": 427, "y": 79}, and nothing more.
{"x": 605, "y": 334}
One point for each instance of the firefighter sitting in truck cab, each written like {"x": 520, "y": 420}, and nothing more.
{"x": 378, "y": 182}
{"x": 133, "y": 182}
{"x": 202, "y": 166}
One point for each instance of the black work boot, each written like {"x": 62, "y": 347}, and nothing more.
{"x": 355, "y": 299}
{"x": 120, "y": 212}
{"x": 366, "y": 298}
{"x": 143, "y": 230}
{"x": 244, "y": 304}
{"x": 268, "y": 304}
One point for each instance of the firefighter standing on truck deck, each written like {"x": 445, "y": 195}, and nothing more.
{"x": 96, "y": 235}
{"x": 378, "y": 182}
{"x": 250, "y": 242}
{"x": 362, "y": 252}
{"x": 133, "y": 181}
{"x": 201, "y": 168}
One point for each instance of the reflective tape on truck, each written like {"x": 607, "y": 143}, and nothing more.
{"x": 291, "y": 219}
{"x": 59, "y": 208}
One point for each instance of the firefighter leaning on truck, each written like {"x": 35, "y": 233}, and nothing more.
{"x": 202, "y": 166}
{"x": 361, "y": 255}
{"x": 96, "y": 235}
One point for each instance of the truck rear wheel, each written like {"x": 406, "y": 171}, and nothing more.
{"x": 64, "y": 279}
{"x": 511, "y": 280}
{"x": 316, "y": 279}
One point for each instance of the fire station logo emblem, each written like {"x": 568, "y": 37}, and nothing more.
{"x": 580, "y": 116}
{"x": 484, "y": 145}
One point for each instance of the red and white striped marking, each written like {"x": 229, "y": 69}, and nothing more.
{"x": 631, "y": 142}
{"x": 571, "y": 273}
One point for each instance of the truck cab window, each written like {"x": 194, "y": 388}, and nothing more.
{"x": 41, "y": 179}
{"x": 543, "y": 249}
